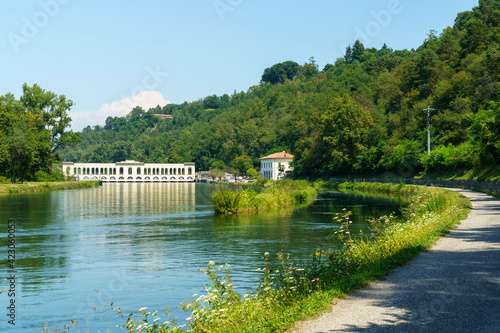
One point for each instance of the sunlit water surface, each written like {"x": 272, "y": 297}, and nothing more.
{"x": 143, "y": 245}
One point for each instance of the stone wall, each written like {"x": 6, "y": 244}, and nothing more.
{"x": 490, "y": 187}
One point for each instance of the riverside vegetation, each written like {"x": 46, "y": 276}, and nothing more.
{"x": 276, "y": 194}
{"x": 46, "y": 186}
{"x": 293, "y": 290}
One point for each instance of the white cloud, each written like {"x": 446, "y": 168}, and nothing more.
{"x": 144, "y": 99}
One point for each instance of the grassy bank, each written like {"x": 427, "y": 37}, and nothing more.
{"x": 290, "y": 291}
{"x": 277, "y": 194}
{"x": 45, "y": 186}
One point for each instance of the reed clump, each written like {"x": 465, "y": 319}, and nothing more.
{"x": 278, "y": 194}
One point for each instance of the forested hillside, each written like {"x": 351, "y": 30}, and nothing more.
{"x": 366, "y": 113}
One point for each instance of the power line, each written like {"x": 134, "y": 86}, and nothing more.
{"x": 429, "y": 109}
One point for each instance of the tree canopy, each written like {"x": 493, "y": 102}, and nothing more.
{"x": 32, "y": 129}
{"x": 362, "y": 114}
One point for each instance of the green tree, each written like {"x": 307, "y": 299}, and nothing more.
{"x": 278, "y": 73}
{"x": 54, "y": 111}
{"x": 343, "y": 126}
{"x": 484, "y": 133}
{"x": 242, "y": 163}
{"x": 252, "y": 173}
{"x": 20, "y": 151}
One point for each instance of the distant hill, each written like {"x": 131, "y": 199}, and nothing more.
{"x": 362, "y": 114}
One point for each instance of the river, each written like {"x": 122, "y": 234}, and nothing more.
{"x": 143, "y": 245}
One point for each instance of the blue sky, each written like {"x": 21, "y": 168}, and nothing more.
{"x": 108, "y": 56}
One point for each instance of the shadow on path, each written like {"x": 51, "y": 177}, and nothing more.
{"x": 454, "y": 287}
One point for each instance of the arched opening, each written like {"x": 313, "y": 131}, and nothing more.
{"x": 129, "y": 171}
{"x": 138, "y": 171}
{"x": 190, "y": 171}
{"x": 121, "y": 171}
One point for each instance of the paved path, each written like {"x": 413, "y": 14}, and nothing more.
{"x": 454, "y": 287}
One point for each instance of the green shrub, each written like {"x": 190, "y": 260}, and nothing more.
{"x": 446, "y": 158}
{"x": 226, "y": 201}
{"x": 278, "y": 194}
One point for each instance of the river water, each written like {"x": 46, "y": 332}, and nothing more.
{"x": 143, "y": 245}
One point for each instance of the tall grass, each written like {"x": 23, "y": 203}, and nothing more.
{"x": 277, "y": 194}
{"x": 226, "y": 201}
{"x": 46, "y": 186}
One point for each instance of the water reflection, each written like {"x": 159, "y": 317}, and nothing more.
{"x": 144, "y": 244}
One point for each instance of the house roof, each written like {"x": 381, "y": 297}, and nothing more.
{"x": 277, "y": 155}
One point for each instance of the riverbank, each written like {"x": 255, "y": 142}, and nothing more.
{"x": 488, "y": 187}
{"x": 451, "y": 287}
{"x": 291, "y": 291}
{"x": 28, "y": 187}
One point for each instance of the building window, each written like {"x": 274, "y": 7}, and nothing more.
{"x": 138, "y": 171}
{"x": 121, "y": 171}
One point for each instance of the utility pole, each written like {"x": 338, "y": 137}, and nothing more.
{"x": 429, "y": 109}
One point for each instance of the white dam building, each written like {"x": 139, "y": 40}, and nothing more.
{"x": 131, "y": 171}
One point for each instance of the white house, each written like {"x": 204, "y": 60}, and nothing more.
{"x": 269, "y": 165}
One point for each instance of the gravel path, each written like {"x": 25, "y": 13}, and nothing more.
{"x": 454, "y": 287}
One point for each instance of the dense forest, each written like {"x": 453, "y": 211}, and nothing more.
{"x": 364, "y": 114}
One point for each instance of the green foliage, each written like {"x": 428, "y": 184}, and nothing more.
{"x": 55, "y": 175}
{"x": 343, "y": 126}
{"x": 242, "y": 163}
{"x": 31, "y": 130}
{"x": 278, "y": 194}
{"x": 448, "y": 158}
{"x": 226, "y": 201}
{"x": 485, "y": 132}
{"x": 252, "y": 173}
{"x": 280, "y": 72}
{"x": 404, "y": 157}
{"x": 362, "y": 114}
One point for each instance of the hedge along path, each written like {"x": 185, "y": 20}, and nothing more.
{"x": 453, "y": 287}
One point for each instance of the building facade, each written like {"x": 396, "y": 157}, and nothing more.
{"x": 131, "y": 171}
{"x": 270, "y": 165}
